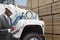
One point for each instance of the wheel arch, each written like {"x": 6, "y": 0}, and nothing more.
{"x": 31, "y": 28}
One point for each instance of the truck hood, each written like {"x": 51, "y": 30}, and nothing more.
{"x": 30, "y": 22}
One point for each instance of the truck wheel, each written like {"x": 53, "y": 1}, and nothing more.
{"x": 32, "y": 36}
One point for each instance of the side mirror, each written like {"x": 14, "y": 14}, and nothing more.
{"x": 41, "y": 18}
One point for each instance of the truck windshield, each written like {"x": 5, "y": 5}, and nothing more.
{"x": 6, "y": 1}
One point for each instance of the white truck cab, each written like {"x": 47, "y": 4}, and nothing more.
{"x": 28, "y": 22}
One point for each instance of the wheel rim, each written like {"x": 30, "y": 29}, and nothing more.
{"x": 33, "y": 39}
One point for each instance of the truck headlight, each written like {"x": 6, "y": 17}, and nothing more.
{"x": 29, "y": 14}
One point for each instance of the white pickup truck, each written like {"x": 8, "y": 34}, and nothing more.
{"x": 28, "y": 22}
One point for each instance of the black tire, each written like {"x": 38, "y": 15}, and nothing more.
{"x": 32, "y": 36}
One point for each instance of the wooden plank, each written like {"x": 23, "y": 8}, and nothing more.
{"x": 48, "y": 23}
{"x": 56, "y": 29}
{"x": 48, "y": 29}
{"x": 44, "y": 2}
{"x": 56, "y": 7}
{"x": 56, "y": 0}
{"x": 29, "y": 4}
{"x": 57, "y": 24}
{"x": 35, "y": 10}
{"x": 48, "y": 37}
{"x": 56, "y": 37}
{"x": 45, "y": 10}
{"x": 34, "y": 3}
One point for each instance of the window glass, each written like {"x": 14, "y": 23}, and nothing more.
{"x": 6, "y": 1}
